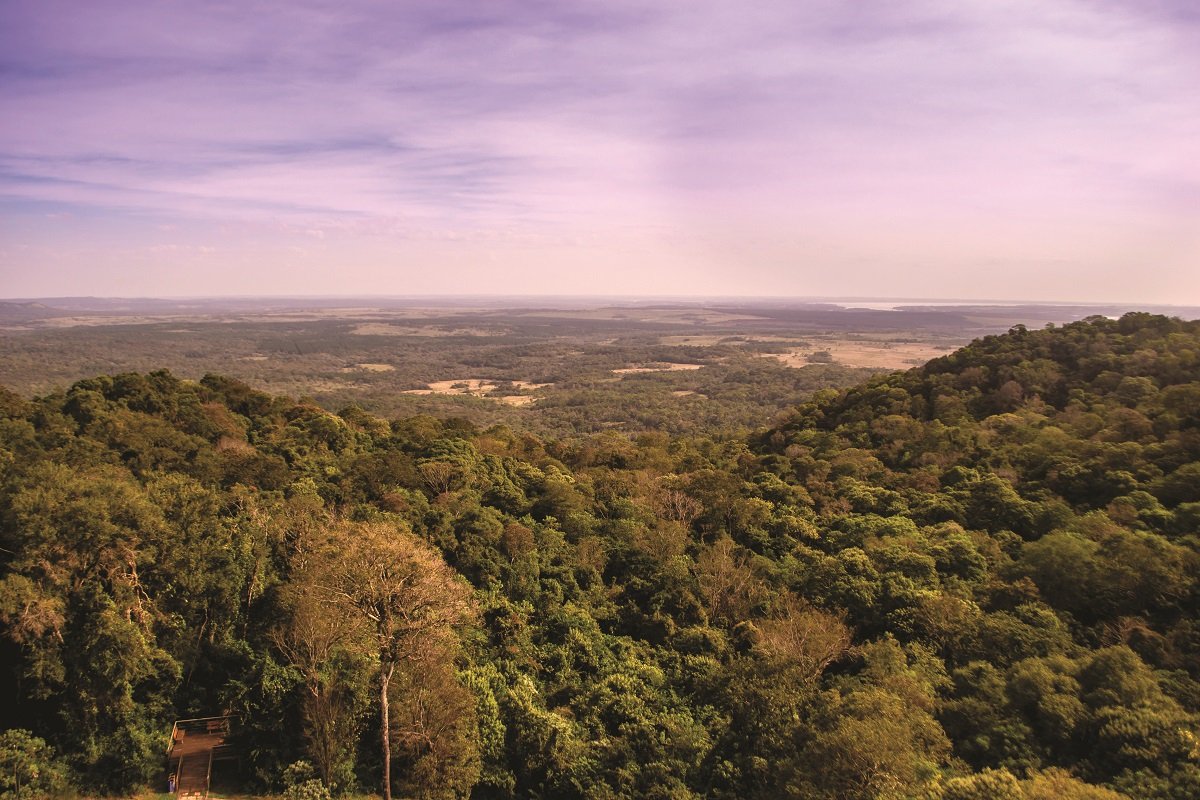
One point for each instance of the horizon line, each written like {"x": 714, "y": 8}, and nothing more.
{"x": 620, "y": 297}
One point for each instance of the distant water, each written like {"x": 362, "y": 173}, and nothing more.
{"x": 894, "y": 305}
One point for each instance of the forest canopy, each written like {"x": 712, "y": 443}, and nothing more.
{"x": 973, "y": 579}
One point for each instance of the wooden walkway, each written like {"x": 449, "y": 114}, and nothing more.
{"x": 195, "y": 745}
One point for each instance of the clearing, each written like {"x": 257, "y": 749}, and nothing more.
{"x": 879, "y": 354}
{"x": 658, "y": 366}
{"x": 482, "y": 387}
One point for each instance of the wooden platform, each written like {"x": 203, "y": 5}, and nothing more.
{"x": 195, "y": 745}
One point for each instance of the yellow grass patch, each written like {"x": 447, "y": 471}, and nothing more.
{"x": 878, "y": 354}
{"x": 481, "y": 387}
{"x": 517, "y": 399}
{"x": 665, "y": 366}
{"x": 463, "y": 386}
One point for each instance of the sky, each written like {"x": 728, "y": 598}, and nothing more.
{"x": 978, "y": 149}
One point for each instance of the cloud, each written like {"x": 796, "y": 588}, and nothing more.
{"x": 570, "y": 119}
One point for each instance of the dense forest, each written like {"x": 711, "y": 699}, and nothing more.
{"x": 551, "y": 372}
{"x": 974, "y": 579}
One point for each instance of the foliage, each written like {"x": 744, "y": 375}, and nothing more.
{"x": 974, "y": 579}
{"x": 300, "y": 783}
{"x": 29, "y": 768}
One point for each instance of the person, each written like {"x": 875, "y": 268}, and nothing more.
{"x": 171, "y": 784}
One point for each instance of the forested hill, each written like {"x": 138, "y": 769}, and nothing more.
{"x": 977, "y": 579}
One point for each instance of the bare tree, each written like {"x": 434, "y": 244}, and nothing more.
{"x": 802, "y": 636}
{"x": 440, "y": 476}
{"x": 727, "y": 581}
{"x": 677, "y": 505}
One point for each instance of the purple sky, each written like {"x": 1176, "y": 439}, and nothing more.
{"x": 1002, "y": 149}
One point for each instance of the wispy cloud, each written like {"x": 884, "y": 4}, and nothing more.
{"x": 864, "y": 129}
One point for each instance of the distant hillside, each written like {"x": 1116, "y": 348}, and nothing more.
{"x": 17, "y": 312}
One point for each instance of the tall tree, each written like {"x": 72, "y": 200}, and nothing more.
{"x": 324, "y": 644}
{"x": 409, "y": 597}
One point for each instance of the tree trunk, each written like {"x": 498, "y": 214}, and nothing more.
{"x": 385, "y": 678}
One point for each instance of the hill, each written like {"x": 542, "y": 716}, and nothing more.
{"x": 973, "y": 579}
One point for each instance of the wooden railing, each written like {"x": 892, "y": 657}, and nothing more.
{"x": 200, "y": 725}
{"x": 210, "y": 744}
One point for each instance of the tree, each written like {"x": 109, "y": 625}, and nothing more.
{"x": 408, "y": 596}
{"x": 991, "y": 784}
{"x": 726, "y": 580}
{"x": 319, "y": 642}
{"x": 29, "y": 767}
{"x": 435, "y": 728}
{"x": 78, "y": 598}
{"x": 804, "y": 638}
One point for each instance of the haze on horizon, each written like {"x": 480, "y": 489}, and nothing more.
{"x": 1018, "y": 150}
